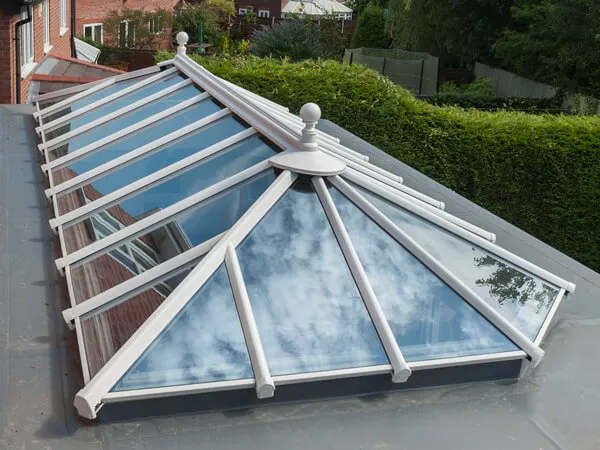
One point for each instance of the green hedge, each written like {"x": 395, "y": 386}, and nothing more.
{"x": 539, "y": 172}
{"x": 490, "y": 102}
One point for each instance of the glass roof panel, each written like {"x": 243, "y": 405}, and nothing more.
{"x": 114, "y": 105}
{"x": 106, "y": 330}
{"x": 212, "y": 170}
{"x": 428, "y": 319}
{"x": 124, "y": 121}
{"x": 203, "y": 343}
{"x": 523, "y": 299}
{"x": 89, "y": 99}
{"x": 309, "y": 312}
{"x": 169, "y": 154}
{"x": 161, "y": 242}
{"x": 135, "y": 140}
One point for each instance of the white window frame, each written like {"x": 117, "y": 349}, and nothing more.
{"x": 63, "y": 17}
{"x": 46, "y": 14}
{"x": 93, "y": 26}
{"x": 126, "y": 37}
{"x": 245, "y": 10}
{"x": 27, "y": 45}
{"x": 157, "y": 21}
{"x": 264, "y": 12}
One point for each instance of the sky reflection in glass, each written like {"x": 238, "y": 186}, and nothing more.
{"x": 89, "y": 99}
{"x": 309, "y": 312}
{"x": 182, "y": 148}
{"x": 126, "y": 120}
{"x": 523, "y": 299}
{"x": 428, "y": 319}
{"x": 217, "y": 168}
{"x": 203, "y": 343}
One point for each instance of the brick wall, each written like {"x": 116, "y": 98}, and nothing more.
{"x": 94, "y": 11}
{"x": 61, "y": 46}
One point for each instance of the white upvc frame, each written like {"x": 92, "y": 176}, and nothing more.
{"x": 157, "y": 219}
{"x": 86, "y": 86}
{"x": 63, "y": 17}
{"x": 546, "y": 324}
{"x": 46, "y": 16}
{"x": 475, "y": 235}
{"x": 27, "y": 42}
{"x": 135, "y": 285}
{"x": 494, "y": 317}
{"x": 149, "y": 181}
{"x": 101, "y": 143}
{"x": 400, "y": 370}
{"x": 102, "y": 101}
{"x": 53, "y": 143}
{"x": 132, "y": 156}
{"x": 92, "y": 26}
{"x": 89, "y": 399}
{"x": 265, "y": 387}
{"x": 434, "y": 215}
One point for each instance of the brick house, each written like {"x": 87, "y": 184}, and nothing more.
{"x": 91, "y": 13}
{"x": 48, "y": 32}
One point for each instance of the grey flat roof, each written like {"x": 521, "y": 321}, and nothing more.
{"x": 556, "y": 405}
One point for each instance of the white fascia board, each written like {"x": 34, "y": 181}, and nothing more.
{"x": 89, "y": 399}
{"x": 475, "y": 238}
{"x": 100, "y": 143}
{"x": 265, "y": 387}
{"x": 131, "y": 157}
{"x": 280, "y": 136}
{"x": 494, "y": 317}
{"x": 53, "y": 143}
{"x": 93, "y": 84}
{"x": 103, "y": 101}
{"x": 544, "y": 328}
{"x": 142, "y": 281}
{"x": 149, "y": 181}
{"x": 401, "y": 371}
{"x": 435, "y": 215}
{"x": 158, "y": 219}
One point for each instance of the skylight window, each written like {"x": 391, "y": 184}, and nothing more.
{"x": 212, "y": 241}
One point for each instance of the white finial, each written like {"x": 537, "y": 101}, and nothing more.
{"x": 182, "y": 38}
{"x": 310, "y": 114}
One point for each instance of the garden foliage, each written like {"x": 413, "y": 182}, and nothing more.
{"x": 539, "y": 172}
{"x": 370, "y": 29}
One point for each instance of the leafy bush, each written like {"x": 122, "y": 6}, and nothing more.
{"x": 299, "y": 39}
{"x": 539, "y": 172}
{"x": 138, "y": 21}
{"x": 479, "y": 95}
{"x": 370, "y": 29}
{"x": 214, "y": 15}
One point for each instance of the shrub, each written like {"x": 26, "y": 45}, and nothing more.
{"x": 299, "y": 38}
{"x": 370, "y": 29}
{"x": 539, "y": 172}
{"x": 214, "y": 15}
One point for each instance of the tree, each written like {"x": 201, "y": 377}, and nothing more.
{"x": 554, "y": 41}
{"x": 215, "y": 17}
{"x": 370, "y": 29}
{"x": 136, "y": 28}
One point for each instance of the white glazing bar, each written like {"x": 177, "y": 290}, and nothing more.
{"x": 168, "y": 62}
{"x": 281, "y": 137}
{"x": 172, "y": 391}
{"x": 494, "y": 317}
{"x": 100, "y": 143}
{"x": 37, "y": 110}
{"x": 401, "y": 371}
{"x": 509, "y": 257}
{"x": 434, "y": 215}
{"x": 67, "y": 101}
{"x": 114, "y": 96}
{"x": 157, "y": 219}
{"x": 131, "y": 157}
{"x": 53, "y": 143}
{"x": 142, "y": 281}
{"x": 93, "y": 84}
{"x": 89, "y": 399}
{"x": 149, "y": 181}
{"x": 265, "y": 387}
{"x": 85, "y": 368}
{"x": 544, "y": 329}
